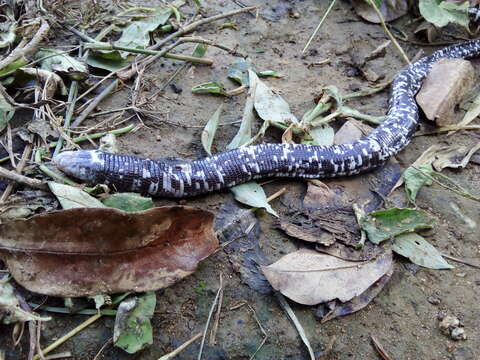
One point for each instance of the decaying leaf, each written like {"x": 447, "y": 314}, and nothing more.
{"x": 360, "y": 301}
{"x": 390, "y": 9}
{"x": 322, "y": 135}
{"x": 129, "y": 202}
{"x": 90, "y": 251}
{"x": 419, "y": 251}
{"x": 308, "y": 234}
{"x": 386, "y": 224}
{"x": 444, "y": 88}
{"x": 133, "y": 331}
{"x": 73, "y": 197}
{"x": 6, "y": 112}
{"x": 10, "y": 310}
{"x": 210, "y": 87}
{"x": 308, "y": 277}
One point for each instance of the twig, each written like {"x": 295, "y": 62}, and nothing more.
{"x": 387, "y": 31}
{"x": 130, "y": 72}
{"x": 182, "y": 347}
{"x": 448, "y": 129}
{"x": 79, "y": 120}
{"x": 213, "y": 333}
{"x": 277, "y": 194}
{"x": 461, "y": 261}
{"x": 11, "y": 175}
{"x": 69, "y": 114}
{"x": 379, "y": 348}
{"x": 26, "y": 50}
{"x": 26, "y": 154}
{"x": 286, "y": 307}
{"x": 97, "y": 355}
{"x": 265, "y": 336}
{"x": 40, "y": 353}
{"x": 199, "y": 357}
{"x": 318, "y": 26}
{"x": 70, "y": 334}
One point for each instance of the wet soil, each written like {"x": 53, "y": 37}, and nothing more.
{"x": 401, "y": 317}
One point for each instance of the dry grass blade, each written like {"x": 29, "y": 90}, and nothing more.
{"x": 11, "y": 175}
{"x": 182, "y": 347}
{"x": 380, "y": 349}
{"x": 215, "y": 301}
{"x": 318, "y": 26}
{"x": 461, "y": 261}
{"x": 286, "y": 307}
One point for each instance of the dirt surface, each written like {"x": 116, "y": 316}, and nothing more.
{"x": 403, "y": 317}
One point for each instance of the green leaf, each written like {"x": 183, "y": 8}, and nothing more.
{"x": 238, "y": 71}
{"x": 208, "y": 133}
{"x": 7, "y": 33}
{"x": 111, "y": 61}
{"x": 73, "y": 197}
{"x": 270, "y": 106}
{"x": 199, "y": 50}
{"x": 210, "y": 87}
{"x": 271, "y": 73}
{"x": 386, "y": 224}
{"x": 129, "y": 202}
{"x": 322, "y": 135}
{"x": 14, "y": 65}
{"x": 99, "y": 301}
{"x": 419, "y": 251}
{"x": 244, "y": 133}
{"x": 59, "y": 62}
{"x": 6, "y": 112}
{"x": 415, "y": 179}
{"x": 253, "y": 195}
{"x": 440, "y": 13}
{"x": 137, "y": 34}
{"x": 133, "y": 331}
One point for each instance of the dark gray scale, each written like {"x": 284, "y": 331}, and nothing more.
{"x": 181, "y": 178}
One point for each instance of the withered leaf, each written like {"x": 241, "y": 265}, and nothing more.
{"x": 308, "y": 277}
{"x": 89, "y": 251}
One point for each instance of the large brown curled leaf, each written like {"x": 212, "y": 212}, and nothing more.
{"x": 309, "y": 278}
{"x": 90, "y": 251}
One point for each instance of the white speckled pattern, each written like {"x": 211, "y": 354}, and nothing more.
{"x": 172, "y": 178}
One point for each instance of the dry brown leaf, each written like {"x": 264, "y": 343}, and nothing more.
{"x": 445, "y": 87}
{"x": 311, "y": 234}
{"x": 90, "y": 251}
{"x": 390, "y": 9}
{"x": 308, "y": 277}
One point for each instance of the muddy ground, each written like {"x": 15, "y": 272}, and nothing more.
{"x": 401, "y": 317}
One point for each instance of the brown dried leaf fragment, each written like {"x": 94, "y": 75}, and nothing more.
{"x": 89, "y": 251}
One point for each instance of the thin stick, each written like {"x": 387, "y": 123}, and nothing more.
{"x": 265, "y": 336}
{"x": 213, "y": 333}
{"x": 182, "y": 347}
{"x": 79, "y": 120}
{"x": 70, "y": 334}
{"x": 380, "y": 348}
{"x": 319, "y": 26}
{"x": 447, "y": 129}
{"x": 12, "y": 175}
{"x": 199, "y": 357}
{"x": 72, "y": 94}
{"x": 97, "y": 356}
{"x": 26, "y": 154}
{"x": 286, "y": 307}
{"x": 277, "y": 194}
{"x": 389, "y": 34}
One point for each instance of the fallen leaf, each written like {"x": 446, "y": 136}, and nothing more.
{"x": 444, "y": 88}
{"x": 252, "y": 194}
{"x": 244, "y": 133}
{"x": 390, "y": 9}
{"x": 416, "y": 179}
{"x": 73, "y": 197}
{"x": 210, "y": 129}
{"x": 10, "y": 310}
{"x": 322, "y": 135}
{"x": 419, "y": 251}
{"x": 210, "y": 87}
{"x": 90, "y": 251}
{"x": 64, "y": 64}
{"x": 270, "y": 106}
{"x": 360, "y": 301}
{"x": 315, "y": 235}
{"x": 351, "y": 131}
{"x": 441, "y": 13}
{"x": 309, "y": 278}
{"x": 133, "y": 331}
{"x": 6, "y": 112}
{"x": 128, "y": 202}
{"x": 386, "y": 224}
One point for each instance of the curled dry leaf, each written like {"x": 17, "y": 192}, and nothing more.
{"x": 390, "y": 9}
{"x": 89, "y": 251}
{"x": 308, "y": 277}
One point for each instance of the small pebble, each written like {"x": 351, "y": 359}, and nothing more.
{"x": 458, "y": 334}
{"x": 433, "y": 300}
{"x": 449, "y": 322}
